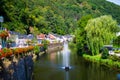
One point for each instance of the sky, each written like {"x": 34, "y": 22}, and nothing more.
{"x": 115, "y": 1}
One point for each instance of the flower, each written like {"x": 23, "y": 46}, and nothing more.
{"x": 4, "y": 34}
{"x": 8, "y": 52}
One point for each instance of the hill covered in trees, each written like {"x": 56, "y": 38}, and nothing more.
{"x": 57, "y": 16}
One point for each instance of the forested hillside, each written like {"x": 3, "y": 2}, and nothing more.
{"x": 57, "y": 16}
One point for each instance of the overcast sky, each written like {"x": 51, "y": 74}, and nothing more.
{"x": 115, "y": 1}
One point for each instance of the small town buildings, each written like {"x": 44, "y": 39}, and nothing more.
{"x": 51, "y": 38}
{"x": 41, "y": 37}
{"x": 19, "y": 40}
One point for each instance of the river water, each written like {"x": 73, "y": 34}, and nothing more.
{"x": 51, "y": 67}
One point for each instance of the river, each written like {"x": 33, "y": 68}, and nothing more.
{"x": 51, "y": 66}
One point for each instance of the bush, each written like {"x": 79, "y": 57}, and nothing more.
{"x": 117, "y": 51}
{"x": 106, "y": 62}
{"x": 73, "y": 47}
{"x": 105, "y": 53}
{"x": 114, "y": 58}
{"x": 36, "y": 49}
{"x": 45, "y": 44}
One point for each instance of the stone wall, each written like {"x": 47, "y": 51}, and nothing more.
{"x": 20, "y": 66}
{"x": 17, "y": 67}
{"x": 54, "y": 47}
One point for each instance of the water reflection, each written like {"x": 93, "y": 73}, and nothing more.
{"x": 49, "y": 68}
{"x": 66, "y": 55}
{"x": 53, "y": 57}
{"x": 67, "y": 75}
{"x": 118, "y": 76}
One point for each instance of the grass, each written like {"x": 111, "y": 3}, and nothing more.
{"x": 106, "y": 62}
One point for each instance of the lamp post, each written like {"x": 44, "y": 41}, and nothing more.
{"x": 3, "y": 41}
{"x": 1, "y": 20}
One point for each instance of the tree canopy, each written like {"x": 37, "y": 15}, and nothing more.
{"x": 116, "y": 42}
{"x": 100, "y": 31}
{"x": 58, "y": 16}
{"x": 80, "y": 33}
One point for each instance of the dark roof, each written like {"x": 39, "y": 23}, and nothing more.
{"x": 22, "y": 36}
{"x": 14, "y": 33}
{"x": 30, "y": 36}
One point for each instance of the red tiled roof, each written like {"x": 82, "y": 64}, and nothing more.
{"x": 51, "y": 36}
{"x": 41, "y": 36}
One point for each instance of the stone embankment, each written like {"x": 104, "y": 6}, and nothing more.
{"x": 54, "y": 47}
{"x": 17, "y": 67}
{"x": 20, "y": 66}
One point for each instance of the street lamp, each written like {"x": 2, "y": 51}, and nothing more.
{"x": 3, "y": 41}
{"x": 1, "y": 20}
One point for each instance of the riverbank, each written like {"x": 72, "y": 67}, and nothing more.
{"x": 50, "y": 67}
{"x": 54, "y": 47}
{"x": 51, "y": 48}
{"x": 110, "y": 62}
{"x": 19, "y": 62}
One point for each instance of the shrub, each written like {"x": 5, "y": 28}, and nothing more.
{"x": 45, "y": 44}
{"x": 105, "y": 53}
{"x": 36, "y": 49}
{"x": 114, "y": 58}
{"x": 117, "y": 51}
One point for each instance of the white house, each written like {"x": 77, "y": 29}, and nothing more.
{"x": 41, "y": 37}
{"x": 59, "y": 39}
{"x": 52, "y": 38}
{"x": 20, "y": 40}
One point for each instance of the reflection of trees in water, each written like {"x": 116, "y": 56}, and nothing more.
{"x": 53, "y": 57}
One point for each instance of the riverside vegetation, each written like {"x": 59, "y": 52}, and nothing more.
{"x": 92, "y": 35}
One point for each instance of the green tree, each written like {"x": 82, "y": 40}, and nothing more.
{"x": 34, "y": 30}
{"x": 80, "y": 33}
{"x": 45, "y": 44}
{"x": 57, "y": 16}
{"x": 105, "y": 53}
{"x": 100, "y": 31}
{"x": 116, "y": 42}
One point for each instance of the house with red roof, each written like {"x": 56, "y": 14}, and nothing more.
{"x": 51, "y": 37}
{"x": 41, "y": 37}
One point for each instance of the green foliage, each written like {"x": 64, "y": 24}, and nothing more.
{"x": 105, "y": 53}
{"x": 80, "y": 33}
{"x": 45, "y": 44}
{"x": 35, "y": 31}
{"x": 100, "y": 31}
{"x": 114, "y": 58}
{"x": 56, "y": 16}
{"x": 116, "y": 42}
{"x": 5, "y": 50}
{"x": 9, "y": 41}
{"x": 117, "y": 51}
{"x": 95, "y": 58}
{"x": 36, "y": 49}
{"x": 106, "y": 62}
{"x": 73, "y": 47}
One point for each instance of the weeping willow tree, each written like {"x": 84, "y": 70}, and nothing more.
{"x": 100, "y": 31}
{"x": 116, "y": 42}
